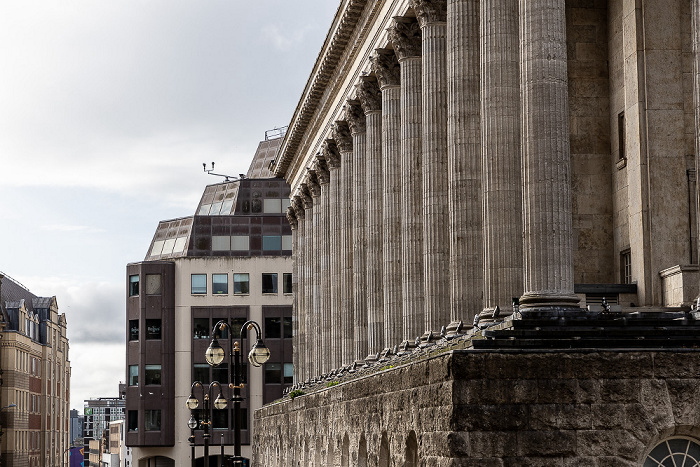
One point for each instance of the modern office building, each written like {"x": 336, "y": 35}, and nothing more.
{"x": 98, "y": 414}
{"x": 76, "y": 426}
{"x": 35, "y": 392}
{"x": 230, "y": 261}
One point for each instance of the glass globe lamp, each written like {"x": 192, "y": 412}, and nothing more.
{"x": 259, "y": 354}
{"x": 192, "y": 402}
{"x": 215, "y": 353}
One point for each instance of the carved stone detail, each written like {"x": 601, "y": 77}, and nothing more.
{"x": 369, "y": 94}
{"x": 386, "y": 67}
{"x": 292, "y": 218}
{"x": 405, "y": 36}
{"x": 331, "y": 154}
{"x": 313, "y": 185}
{"x": 322, "y": 173}
{"x": 430, "y": 11}
{"x": 298, "y": 206}
{"x": 342, "y": 136}
{"x": 355, "y": 117}
{"x": 306, "y": 196}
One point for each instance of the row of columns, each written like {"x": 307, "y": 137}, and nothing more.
{"x": 444, "y": 190}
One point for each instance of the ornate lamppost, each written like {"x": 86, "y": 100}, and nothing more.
{"x": 258, "y": 355}
{"x": 192, "y": 403}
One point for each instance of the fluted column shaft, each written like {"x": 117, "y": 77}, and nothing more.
{"x": 464, "y": 160}
{"x": 315, "y": 325}
{"x": 308, "y": 282}
{"x": 296, "y": 251}
{"x": 502, "y": 168}
{"x": 301, "y": 363}
{"x": 436, "y": 238}
{"x": 324, "y": 316}
{"x": 405, "y": 37}
{"x": 548, "y": 265}
{"x": 332, "y": 156}
{"x": 388, "y": 73}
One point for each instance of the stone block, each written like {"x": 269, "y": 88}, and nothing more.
{"x": 546, "y": 443}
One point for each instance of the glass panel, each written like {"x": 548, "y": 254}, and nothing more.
{"x": 269, "y": 283}
{"x": 273, "y": 328}
{"x": 240, "y": 284}
{"x": 152, "y": 421}
{"x": 168, "y": 246}
{"x": 153, "y": 284}
{"x": 273, "y": 373}
{"x": 256, "y": 206}
{"x": 288, "y": 373}
{"x": 285, "y": 204}
{"x": 215, "y": 209}
{"x": 180, "y": 243}
{"x": 153, "y": 328}
{"x": 287, "y": 282}
{"x": 220, "y": 243}
{"x": 157, "y": 248}
{"x": 199, "y": 283}
{"x": 236, "y": 325}
{"x": 272, "y": 242}
{"x": 286, "y": 242}
{"x": 272, "y": 206}
{"x": 219, "y": 420}
{"x": 201, "y": 373}
{"x": 133, "y": 329}
{"x": 226, "y": 207}
{"x": 678, "y": 445}
{"x": 287, "y": 328}
{"x": 133, "y": 285}
{"x": 660, "y": 452}
{"x": 204, "y": 210}
{"x": 240, "y": 242}
{"x": 219, "y": 284}
{"x": 133, "y": 420}
{"x": 152, "y": 376}
{"x": 201, "y": 328}
{"x": 220, "y": 374}
{"x": 133, "y": 375}
{"x": 694, "y": 451}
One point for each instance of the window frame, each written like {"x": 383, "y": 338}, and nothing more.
{"x": 134, "y": 285}
{"x": 199, "y": 287}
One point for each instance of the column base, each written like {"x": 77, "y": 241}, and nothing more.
{"x": 548, "y": 300}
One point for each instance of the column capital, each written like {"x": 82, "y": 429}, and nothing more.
{"x": 405, "y": 36}
{"x": 331, "y": 154}
{"x": 312, "y": 183}
{"x": 386, "y": 67}
{"x": 430, "y": 11}
{"x": 298, "y": 206}
{"x": 306, "y": 196}
{"x": 321, "y": 168}
{"x": 369, "y": 94}
{"x": 292, "y": 218}
{"x": 342, "y": 136}
{"x": 355, "y": 117}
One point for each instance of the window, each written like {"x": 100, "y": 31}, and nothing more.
{"x": 201, "y": 372}
{"x": 221, "y": 334}
{"x": 153, "y": 375}
{"x": 201, "y": 328}
{"x": 219, "y": 284}
{"x": 241, "y": 284}
{"x": 273, "y": 328}
{"x": 288, "y": 373}
{"x": 153, "y": 284}
{"x": 199, "y": 284}
{"x": 286, "y": 202}
{"x": 271, "y": 242}
{"x": 152, "y": 421}
{"x": 287, "y": 282}
{"x": 133, "y": 375}
{"x": 273, "y": 373}
{"x": 133, "y": 329}
{"x": 240, "y": 242}
{"x": 180, "y": 243}
{"x": 272, "y": 206}
{"x": 269, "y": 283}
{"x": 133, "y": 420}
{"x": 621, "y": 135}
{"x": 133, "y": 285}
{"x": 220, "y": 374}
{"x": 236, "y": 325}
{"x": 220, "y": 243}
{"x": 626, "y": 266}
{"x": 286, "y": 242}
{"x": 674, "y": 451}
{"x": 287, "y": 331}
{"x": 220, "y": 419}
{"x": 153, "y": 328}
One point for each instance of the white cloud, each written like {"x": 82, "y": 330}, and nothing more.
{"x": 70, "y": 228}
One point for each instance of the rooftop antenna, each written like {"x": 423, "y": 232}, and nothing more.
{"x": 275, "y": 133}
{"x": 227, "y": 178}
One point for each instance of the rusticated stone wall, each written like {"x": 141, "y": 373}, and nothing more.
{"x": 491, "y": 408}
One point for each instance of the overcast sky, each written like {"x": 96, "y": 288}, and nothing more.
{"x": 107, "y": 112}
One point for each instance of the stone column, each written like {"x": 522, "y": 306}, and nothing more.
{"x": 386, "y": 67}
{"x": 294, "y": 225}
{"x": 502, "y": 164}
{"x": 406, "y": 38}
{"x": 432, "y": 17}
{"x": 357, "y": 122}
{"x": 335, "y": 227}
{"x": 464, "y": 160}
{"x": 695, "y": 21}
{"x": 370, "y": 98}
{"x": 314, "y": 323}
{"x": 306, "y": 281}
{"x": 324, "y": 276}
{"x": 343, "y": 139}
{"x": 548, "y": 266}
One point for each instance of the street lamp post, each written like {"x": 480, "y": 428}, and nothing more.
{"x": 192, "y": 403}
{"x": 258, "y": 355}
{"x": 192, "y": 424}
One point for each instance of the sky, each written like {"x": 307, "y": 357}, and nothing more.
{"x": 107, "y": 112}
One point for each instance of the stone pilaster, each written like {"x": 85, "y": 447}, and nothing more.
{"x": 548, "y": 265}
{"x": 464, "y": 160}
{"x": 335, "y": 227}
{"x": 357, "y": 122}
{"x": 314, "y": 323}
{"x": 370, "y": 98}
{"x": 324, "y": 316}
{"x": 343, "y": 139}
{"x": 294, "y": 225}
{"x": 405, "y": 36}
{"x": 388, "y": 72}
{"x": 432, "y": 17}
{"x": 502, "y": 165}
{"x": 306, "y": 281}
